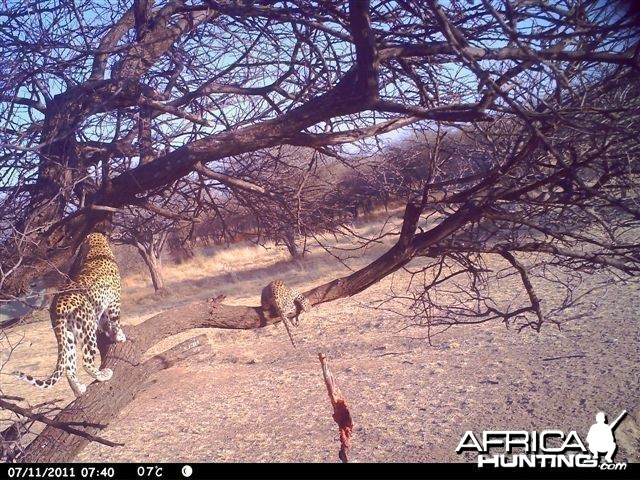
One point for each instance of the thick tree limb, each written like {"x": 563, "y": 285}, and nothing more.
{"x": 505, "y": 53}
{"x": 165, "y": 30}
{"x": 103, "y": 401}
{"x": 366, "y": 52}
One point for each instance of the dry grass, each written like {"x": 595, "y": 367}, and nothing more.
{"x": 241, "y": 270}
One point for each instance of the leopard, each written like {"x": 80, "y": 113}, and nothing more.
{"x": 88, "y": 303}
{"x": 287, "y": 302}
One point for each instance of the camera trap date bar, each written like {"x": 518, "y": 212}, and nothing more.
{"x": 99, "y": 471}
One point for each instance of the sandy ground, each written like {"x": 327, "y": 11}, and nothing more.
{"x": 255, "y": 398}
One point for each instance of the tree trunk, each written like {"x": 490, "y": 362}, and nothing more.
{"x": 154, "y": 264}
{"x": 290, "y": 242}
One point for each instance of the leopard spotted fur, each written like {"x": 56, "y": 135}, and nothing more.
{"x": 286, "y": 301}
{"x": 90, "y": 302}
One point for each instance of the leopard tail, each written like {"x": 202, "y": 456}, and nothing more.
{"x": 285, "y": 320}
{"x": 60, "y": 365}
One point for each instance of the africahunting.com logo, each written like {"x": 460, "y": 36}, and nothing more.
{"x": 548, "y": 448}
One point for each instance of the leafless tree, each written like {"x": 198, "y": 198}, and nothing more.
{"x": 278, "y": 194}
{"x": 105, "y": 106}
{"x": 149, "y": 237}
{"x": 148, "y": 226}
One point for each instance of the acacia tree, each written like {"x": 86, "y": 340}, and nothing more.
{"x": 148, "y": 237}
{"x": 107, "y": 105}
{"x": 148, "y": 225}
{"x": 292, "y": 201}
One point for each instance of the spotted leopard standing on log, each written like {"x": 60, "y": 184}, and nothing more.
{"x": 90, "y": 302}
{"x": 286, "y": 301}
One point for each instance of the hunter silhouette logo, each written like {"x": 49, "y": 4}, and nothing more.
{"x": 548, "y": 448}
{"x": 600, "y": 437}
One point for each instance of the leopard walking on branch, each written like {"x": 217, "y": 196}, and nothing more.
{"x": 286, "y": 301}
{"x": 90, "y": 302}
